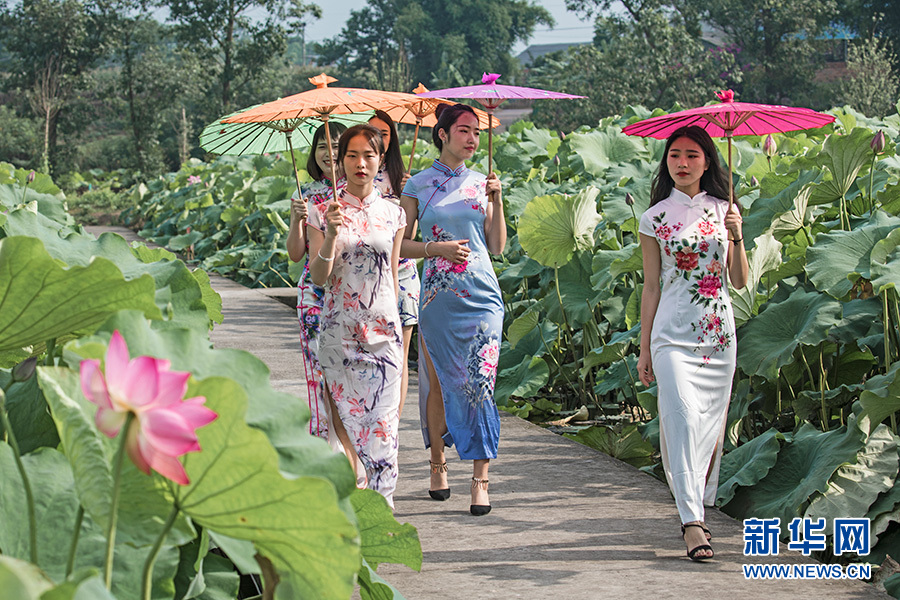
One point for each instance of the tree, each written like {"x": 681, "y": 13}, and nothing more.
{"x": 235, "y": 46}
{"x": 631, "y": 63}
{"x": 51, "y": 45}
{"x": 872, "y": 84}
{"x": 392, "y": 44}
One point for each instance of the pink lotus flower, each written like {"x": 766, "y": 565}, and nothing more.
{"x": 165, "y": 422}
{"x": 192, "y": 179}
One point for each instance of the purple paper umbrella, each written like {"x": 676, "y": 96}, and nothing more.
{"x": 491, "y": 95}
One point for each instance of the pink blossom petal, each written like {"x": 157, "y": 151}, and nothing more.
{"x": 195, "y": 413}
{"x": 168, "y": 432}
{"x": 93, "y": 385}
{"x": 172, "y": 386}
{"x": 133, "y": 447}
{"x": 167, "y": 466}
{"x": 109, "y": 421}
{"x": 141, "y": 382}
{"x": 116, "y": 361}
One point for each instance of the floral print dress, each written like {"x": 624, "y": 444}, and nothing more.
{"x": 460, "y": 311}
{"x": 407, "y": 273}
{"x": 692, "y": 343}
{"x": 309, "y": 305}
{"x": 360, "y": 347}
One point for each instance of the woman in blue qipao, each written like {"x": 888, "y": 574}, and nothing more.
{"x": 460, "y": 213}
{"x": 309, "y": 295}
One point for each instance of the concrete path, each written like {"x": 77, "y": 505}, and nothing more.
{"x": 568, "y": 522}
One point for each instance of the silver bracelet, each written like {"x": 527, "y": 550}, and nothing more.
{"x": 329, "y": 259}
{"x": 426, "y": 248}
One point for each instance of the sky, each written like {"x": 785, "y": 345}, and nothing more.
{"x": 569, "y": 27}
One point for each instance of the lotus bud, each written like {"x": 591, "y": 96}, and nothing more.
{"x": 25, "y": 369}
{"x": 769, "y": 146}
{"x": 878, "y": 142}
{"x": 754, "y": 181}
{"x": 32, "y": 174}
{"x": 562, "y": 136}
{"x": 556, "y": 160}
{"x": 629, "y": 199}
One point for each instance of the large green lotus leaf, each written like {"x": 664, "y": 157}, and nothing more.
{"x": 86, "y": 585}
{"x": 282, "y": 417}
{"x": 748, "y": 464}
{"x": 603, "y": 261}
{"x": 854, "y": 487}
{"x": 552, "y": 228}
{"x": 879, "y": 400}
{"x": 382, "y": 538}
{"x": 205, "y": 575}
{"x": 40, "y": 300}
{"x": 237, "y": 489}
{"x": 634, "y": 179}
{"x": 620, "y": 375}
{"x": 627, "y": 445}
{"x": 843, "y": 156}
{"x": 803, "y": 468}
{"x": 767, "y": 342}
{"x": 211, "y": 297}
{"x": 373, "y": 587}
{"x": 738, "y": 409}
{"x": 808, "y": 403}
{"x": 46, "y": 204}
{"x": 631, "y": 264}
{"x": 144, "y": 501}
{"x": 859, "y": 317}
{"x": 615, "y": 349}
{"x": 885, "y": 259}
{"x": 597, "y": 151}
{"x": 21, "y": 580}
{"x": 838, "y": 259}
{"x": 522, "y": 325}
{"x": 884, "y": 511}
{"x": 765, "y": 257}
{"x": 523, "y": 380}
{"x": 56, "y": 505}
{"x": 511, "y": 277}
{"x": 781, "y": 195}
{"x": 27, "y": 411}
{"x": 177, "y": 294}
{"x": 578, "y": 296}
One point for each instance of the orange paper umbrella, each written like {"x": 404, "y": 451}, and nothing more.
{"x": 321, "y": 103}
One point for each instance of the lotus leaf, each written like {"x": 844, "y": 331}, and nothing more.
{"x": 620, "y": 375}
{"x": 843, "y": 156}
{"x": 803, "y": 467}
{"x": 382, "y": 538}
{"x": 552, "y": 228}
{"x": 884, "y": 511}
{"x": 767, "y": 342}
{"x": 854, "y": 487}
{"x": 237, "y": 489}
{"x": 765, "y": 257}
{"x": 40, "y": 300}
{"x": 885, "y": 259}
{"x": 597, "y": 151}
{"x": 522, "y": 325}
{"x": 21, "y": 580}
{"x": 603, "y": 261}
{"x": 748, "y": 464}
{"x": 613, "y": 350}
{"x": 578, "y": 296}
{"x": 859, "y": 317}
{"x": 373, "y": 587}
{"x": 627, "y": 445}
{"x": 520, "y": 195}
{"x": 879, "y": 400}
{"x": 808, "y": 403}
{"x": 524, "y": 379}
{"x": 838, "y": 259}
{"x": 28, "y": 416}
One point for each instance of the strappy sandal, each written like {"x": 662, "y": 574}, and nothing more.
{"x": 692, "y": 553}
{"x": 701, "y": 526}
{"x": 443, "y": 494}
{"x": 480, "y": 509}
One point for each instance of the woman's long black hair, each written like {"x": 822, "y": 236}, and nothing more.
{"x": 393, "y": 163}
{"x": 714, "y": 180}
{"x": 312, "y": 167}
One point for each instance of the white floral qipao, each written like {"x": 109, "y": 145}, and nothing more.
{"x": 360, "y": 347}
{"x": 692, "y": 343}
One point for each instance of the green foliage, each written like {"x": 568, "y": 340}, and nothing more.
{"x": 872, "y": 83}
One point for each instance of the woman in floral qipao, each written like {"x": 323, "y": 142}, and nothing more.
{"x": 460, "y": 213}
{"x": 309, "y": 295}
{"x": 354, "y": 244}
{"x": 690, "y": 240}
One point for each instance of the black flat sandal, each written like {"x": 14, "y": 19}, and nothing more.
{"x": 692, "y": 553}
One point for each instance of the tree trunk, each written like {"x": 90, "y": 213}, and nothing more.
{"x": 228, "y": 66}
{"x": 132, "y": 108}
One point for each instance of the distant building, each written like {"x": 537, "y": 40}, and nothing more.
{"x": 529, "y": 54}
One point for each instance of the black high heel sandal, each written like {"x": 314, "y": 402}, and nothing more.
{"x": 443, "y": 494}
{"x": 701, "y": 526}
{"x": 479, "y": 509}
{"x": 692, "y": 553}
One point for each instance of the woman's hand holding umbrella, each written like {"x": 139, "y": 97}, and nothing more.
{"x": 494, "y": 188}
{"x": 299, "y": 210}
{"x": 334, "y": 219}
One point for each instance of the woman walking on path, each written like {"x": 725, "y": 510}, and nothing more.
{"x": 354, "y": 244}
{"x": 690, "y": 240}
{"x": 390, "y": 181}
{"x": 461, "y": 310}
{"x": 309, "y": 295}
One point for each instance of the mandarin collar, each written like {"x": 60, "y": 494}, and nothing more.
{"x": 683, "y": 198}
{"x": 438, "y": 165}
{"x": 351, "y": 200}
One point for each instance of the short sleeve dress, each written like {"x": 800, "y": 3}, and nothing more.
{"x": 460, "y": 310}
{"x": 309, "y": 305}
{"x": 407, "y": 272}
{"x": 360, "y": 347}
{"x": 692, "y": 344}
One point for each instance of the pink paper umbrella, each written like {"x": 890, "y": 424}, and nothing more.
{"x": 730, "y": 118}
{"x": 491, "y": 95}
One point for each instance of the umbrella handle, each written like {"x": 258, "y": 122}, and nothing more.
{"x": 490, "y": 113}
{"x": 730, "y": 177}
{"x": 412, "y": 152}
{"x": 294, "y": 163}
{"x": 333, "y": 172}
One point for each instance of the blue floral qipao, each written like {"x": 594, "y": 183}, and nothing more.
{"x": 309, "y": 306}
{"x": 460, "y": 311}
